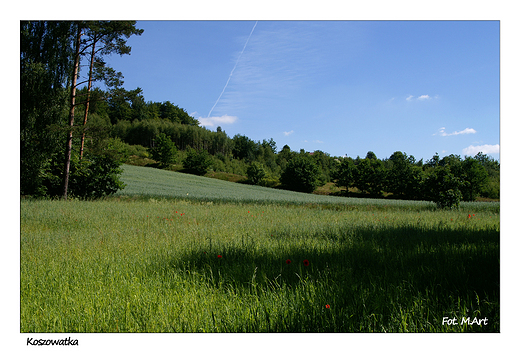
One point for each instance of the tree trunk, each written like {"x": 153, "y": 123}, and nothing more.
{"x": 68, "y": 147}
{"x": 87, "y": 104}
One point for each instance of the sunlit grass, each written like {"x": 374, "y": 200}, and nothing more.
{"x": 173, "y": 265}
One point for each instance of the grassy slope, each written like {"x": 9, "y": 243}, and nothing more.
{"x": 150, "y": 182}
{"x": 162, "y": 183}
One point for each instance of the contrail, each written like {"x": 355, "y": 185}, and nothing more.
{"x": 231, "y": 74}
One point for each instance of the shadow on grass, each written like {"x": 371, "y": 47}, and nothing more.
{"x": 373, "y": 274}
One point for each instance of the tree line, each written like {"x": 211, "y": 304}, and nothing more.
{"x": 62, "y": 152}
{"x": 445, "y": 181}
{"x": 61, "y": 61}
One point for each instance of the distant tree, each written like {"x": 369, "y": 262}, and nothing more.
{"x": 325, "y": 164}
{"x": 475, "y": 176}
{"x": 491, "y": 187}
{"x": 244, "y": 148}
{"x": 301, "y": 174}
{"x": 268, "y": 154}
{"x": 271, "y": 144}
{"x": 164, "y": 150}
{"x": 370, "y": 155}
{"x": 284, "y": 156}
{"x": 255, "y": 173}
{"x": 197, "y": 161}
{"x": 434, "y": 161}
{"x": 443, "y": 188}
{"x": 369, "y": 176}
{"x": 403, "y": 178}
{"x": 344, "y": 173}
{"x": 172, "y": 112}
{"x": 122, "y": 105}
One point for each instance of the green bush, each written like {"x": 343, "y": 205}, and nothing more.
{"x": 164, "y": 150}
{"x": 491, "y": 189}
{"x": 93, "y": 176}
{"x": 269, "y": 181}
{"x": 255, "y": 173}
{"x": 443, "y": 188}
{"x": 196, "y": 162}
{"x": 301, "y": 174}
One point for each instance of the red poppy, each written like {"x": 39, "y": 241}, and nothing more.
{"x": 287, "y": 261}
{"x": 219, "y": 256}
{"x": 305, "y": 262}
{"x": 327, "y": 306}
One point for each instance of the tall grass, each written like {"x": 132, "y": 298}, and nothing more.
{"x": 173, "y": 265}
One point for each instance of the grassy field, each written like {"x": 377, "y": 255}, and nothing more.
{"x": 179, "y": 253}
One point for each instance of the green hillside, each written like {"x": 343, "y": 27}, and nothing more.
{"x": 158, "y": 183}
{"x": 142, "y": 181}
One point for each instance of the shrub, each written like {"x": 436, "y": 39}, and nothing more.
{"x": 301, "y": 174}
{"x": 164, "y": 150}
{"x": 197, "y": 162}
{"x": 91, "y": 177}
{"x": 443, "y": 188}
{"x": 255, "y": 173}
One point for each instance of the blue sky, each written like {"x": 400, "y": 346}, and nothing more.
{"x": 343, "y": 87}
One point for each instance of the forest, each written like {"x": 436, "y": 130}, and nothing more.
{"x": 78, "y": 125}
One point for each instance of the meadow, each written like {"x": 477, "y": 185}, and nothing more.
{"x": 179, "y": 253}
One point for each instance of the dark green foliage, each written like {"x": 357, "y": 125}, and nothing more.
{"x": 48, "y": 54}
{"x": 369, "y": 176}
{"x": 325, "y": 165}
{"x": 443, "y": 188}
{"x": 91, "y": 177}
{"x": 475, "y": 175}
{"x": 445, "y": 181}
{"x": 197, "y": 161}
{"x": 403, "y": 178}
{"x": 122, "y": 151}
{"x": 100, "y": 178}
{"x": 301, "y": 174}
{"x": 344, "y": 173}
{"x": 255, "y": 173}
{"x": 244, "y": 148}
{"x": 164, "y": 150}
{"x": 175, "y": 114}
{"x": 45, "y": 48}
{"x": 491, "y": 187}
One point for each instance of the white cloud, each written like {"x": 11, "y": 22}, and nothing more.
{"x": 442, "y": 132}
{"x": 317, "y": 141}
{"x": 217, "y": 120}
{"x": 421, "y": 98}
{"x": 486, "y": 149}
{"x": 465, "y": 131}
{"x": 287, "y": 133}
